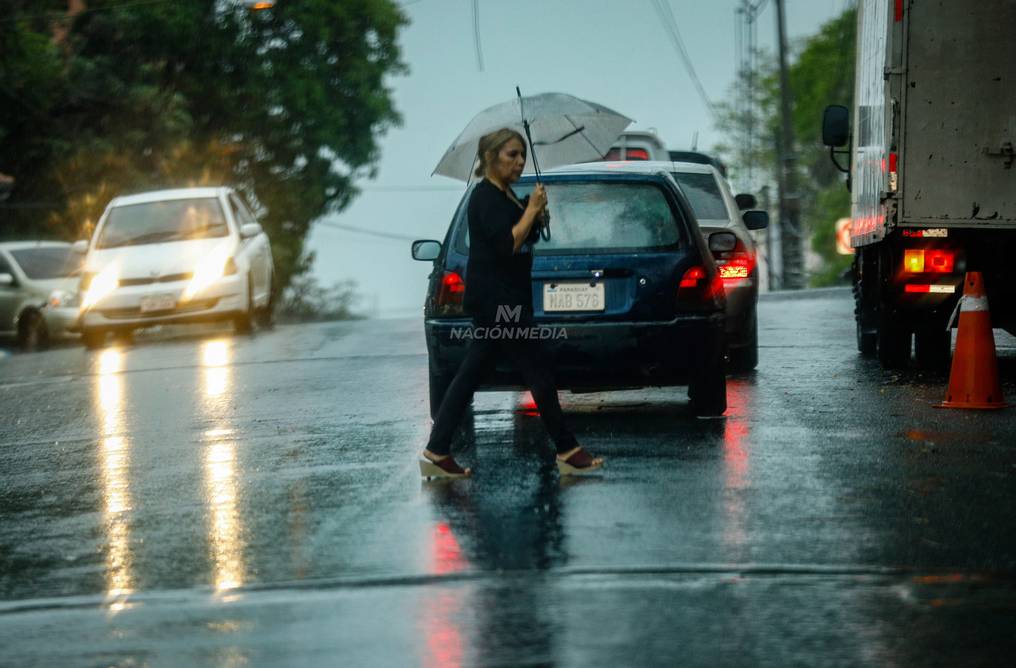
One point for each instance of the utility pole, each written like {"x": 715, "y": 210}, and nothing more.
{"x": 790, "y": 209}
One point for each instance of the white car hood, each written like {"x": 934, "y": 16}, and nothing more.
{"x": 154, "y": 260}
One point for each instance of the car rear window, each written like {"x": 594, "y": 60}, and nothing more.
{"x": 602, "y": 217}
{"x": 704, "y": 195}
{"x": 41, "y": 264}
{"x": 168, "y": 220}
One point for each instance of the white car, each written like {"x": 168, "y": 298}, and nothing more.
{"x": 38, "y": 291}
{"x": 175, "y": 256}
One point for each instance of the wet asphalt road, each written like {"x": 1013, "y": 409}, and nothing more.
{"x": 210, "y": 500}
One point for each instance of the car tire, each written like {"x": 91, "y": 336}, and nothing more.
{"x": 93, "y": 338}
{"x": 745, "y": 358}
{"x": 932, "y": 348}
{"x": 708, "y": 387}
{"x": 244, "y": 322}
{"x": 893, "y": 341}
{"x": 32, "y": 332}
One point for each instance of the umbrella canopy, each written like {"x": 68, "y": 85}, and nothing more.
{"x": 565, "y": 130}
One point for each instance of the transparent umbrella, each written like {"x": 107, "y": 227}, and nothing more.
{"x": 564, "y": 130}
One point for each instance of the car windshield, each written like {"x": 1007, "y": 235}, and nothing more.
{"x": 704, "y": 195}
{"x": 169, "y": 220}
{"x": 46, "y": 263}
{"x": 605, "y": 216}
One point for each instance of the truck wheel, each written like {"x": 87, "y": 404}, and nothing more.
{"x": 893, "y": 342}
{"x": 32, "y": 332}
{"x": 745, "y": 358}
{"x": 93, "y": 338}
{"x": 708, "y": 387}
{"x": 932, "y": 347}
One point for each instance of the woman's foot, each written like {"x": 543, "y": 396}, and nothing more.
{"x": 441, "y": 466}
{"x": 577, "y": 462}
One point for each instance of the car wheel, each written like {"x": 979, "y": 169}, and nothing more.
{"x": 93, "y": 338}
{"x": 745, "y": 358}
{"x": 244, "y": 323}
{"x": 32, "y": 332}
{"x": 708, "y": 387}
{"x": 932, "y": 347}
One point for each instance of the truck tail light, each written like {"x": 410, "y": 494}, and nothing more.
{"x": 934, "y": 260}
{"x": 450, "y": 294}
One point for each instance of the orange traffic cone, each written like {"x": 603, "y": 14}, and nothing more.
{"x": 973, "y": 379}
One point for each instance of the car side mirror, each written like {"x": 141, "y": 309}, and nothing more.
{"x": 755, "y": 219}
{"x": 80, "y": 246}
{"x": 745, "y": 201}
{"x": 426, "y": 250}
{"x": 7, "y": 280}
{"x": 835, "y": 125}
{"x": 248, "y": 230}
{"x": 722, "y": 242}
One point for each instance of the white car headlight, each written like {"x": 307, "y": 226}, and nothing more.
{"x": 62, "y": 299}
{"x": 210, "y": 268}
{"x": 100, "y": 285}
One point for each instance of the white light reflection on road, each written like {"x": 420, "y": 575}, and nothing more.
{"x": 114, "y": 453}
{"x": 220, "y": 468}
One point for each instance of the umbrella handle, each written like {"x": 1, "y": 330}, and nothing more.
{"x": 529, "y": 136}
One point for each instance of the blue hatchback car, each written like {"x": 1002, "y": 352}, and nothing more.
{"x": 626, "y": 276}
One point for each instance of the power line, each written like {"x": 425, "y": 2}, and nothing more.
{"x": 670, "y": 24}
{"x": 476, "y": 34}
{"x": 391, "y": 236}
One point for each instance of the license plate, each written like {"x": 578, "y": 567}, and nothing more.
{"x": 158, "y": 303}
{"x": 573, "y": 297}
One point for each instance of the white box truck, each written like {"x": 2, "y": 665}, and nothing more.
{"x": 931, "y": 169}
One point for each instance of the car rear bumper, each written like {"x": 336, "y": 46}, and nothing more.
{"x": 121, "y": 309}
{"x": 595, "y": 356}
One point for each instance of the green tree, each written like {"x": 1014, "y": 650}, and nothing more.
{"x": 286, "y": 105}
{"x": 821, "y": 73}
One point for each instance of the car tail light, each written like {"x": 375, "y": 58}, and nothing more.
{"x": 698, "y": 287}
{"x": 450, "y": 294}
{"x": 737, "y": 268}
{"x": 935, "y": 260}
{"x": 637, "y": 154}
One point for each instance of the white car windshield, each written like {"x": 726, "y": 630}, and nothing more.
{"x": 157, "y": 222}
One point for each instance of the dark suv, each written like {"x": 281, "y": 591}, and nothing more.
{"x": 626, "y": 277}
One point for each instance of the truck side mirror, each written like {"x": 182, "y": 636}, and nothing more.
{"x": 835, "y": 125}
{"x": 746, "y": 201}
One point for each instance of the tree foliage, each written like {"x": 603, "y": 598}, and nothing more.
{"x": 821, "y": 73}
{"x": 284, "y": 104}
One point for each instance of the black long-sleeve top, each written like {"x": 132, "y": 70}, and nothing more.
{"x": 495, "y": 274}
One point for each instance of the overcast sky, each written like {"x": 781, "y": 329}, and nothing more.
{"x": 615, "y": 52}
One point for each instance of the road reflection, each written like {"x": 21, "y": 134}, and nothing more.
{"x": 114, "y": 454}
{"x": 736, "y": 461}
{"x": 224, "y": 527}
{"x": 506, "y": 520}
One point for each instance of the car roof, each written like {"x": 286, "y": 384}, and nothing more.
{"x": 169, "y": 194}
{"x": 23, "y": 245}
{"x": 582, "y": 172}
{"x": 636, "y": 167}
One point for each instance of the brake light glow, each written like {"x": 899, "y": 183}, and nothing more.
{"x": 934, "y": 260}
{"x": 737, "y": 268}
{"x": 453, "y": 283}
{"x": 637, "y": 154}
{"x": 692, "y": 277}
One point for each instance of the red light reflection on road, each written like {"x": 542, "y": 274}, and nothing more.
{"x": 736, "y": 456}
{"x": 445, "y": 646}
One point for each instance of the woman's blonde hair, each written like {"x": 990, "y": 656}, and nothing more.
{"x": 491, "y": 143}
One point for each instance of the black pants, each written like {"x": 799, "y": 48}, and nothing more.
{"x": 529, "y": 358}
